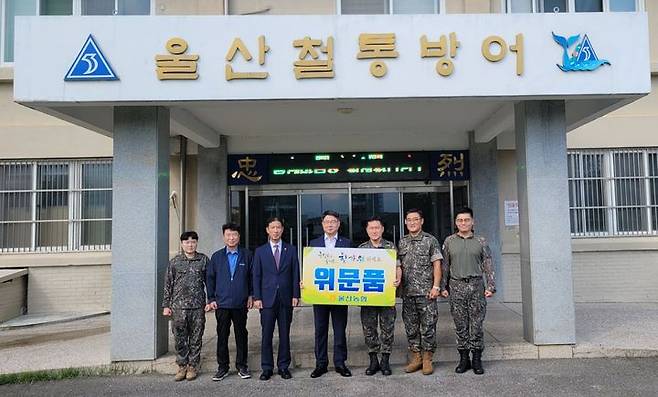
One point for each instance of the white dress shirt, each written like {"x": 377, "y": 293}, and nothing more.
{"x": 330, "y": 242}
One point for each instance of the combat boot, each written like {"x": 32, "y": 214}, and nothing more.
{"x": 464, "y": 361}
{"x": 191, "y": 373}
{"x": 386, "y": 368}
{"x": 373, "y": 368}
{"x": 477, "y": 362}
{"x": 428, "y": 369}
{"x": 415, "y": 363}
{"x": 180, "y": 374}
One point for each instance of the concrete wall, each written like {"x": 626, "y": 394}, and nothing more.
{"x": 69, "y": 288}
{"x": 174, "y": 214}
{"x": 604, "y": 276}
{"x": 631, "y": 126}
{"x": 189, "y": 7}
{"x": 472, "y": 6}
{"x": 47, "y": 136}
{"x": 65, "y": 281}
{"x": 651, "y": 7}
{"x": 13, "y": 300}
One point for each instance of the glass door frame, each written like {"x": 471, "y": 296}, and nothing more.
{"x": 349, "y": 188}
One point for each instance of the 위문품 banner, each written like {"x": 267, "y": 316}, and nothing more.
{"x": 349, "y": 276}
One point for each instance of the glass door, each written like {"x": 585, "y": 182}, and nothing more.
{"x": 301, "y": 210}
{"x": 367, "y": 203}
{"x": 436, "y": 207}
{"x": 314, "y": 203}
{"x": 263, "y": 207}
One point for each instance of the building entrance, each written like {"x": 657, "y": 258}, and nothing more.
{"x": 301, "y": 208}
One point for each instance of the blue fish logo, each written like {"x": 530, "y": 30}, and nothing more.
{"x": 583, "y": 58}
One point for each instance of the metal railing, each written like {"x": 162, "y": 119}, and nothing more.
{"x": 48, "y": 206}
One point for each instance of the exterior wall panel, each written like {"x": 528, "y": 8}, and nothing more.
{"x": 13, "y": 298}
{"x": 69, "y": 288}
{"x": 619, "y": 276}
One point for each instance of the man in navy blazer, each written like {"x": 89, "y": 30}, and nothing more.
{"x": 338, "y": 313}
{"x": 229, "y": 285}
{"x": 276, "y": 292}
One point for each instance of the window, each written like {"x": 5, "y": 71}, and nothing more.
{"x": 623, "y": 5}
{"x": 384, "y": 6}
{"x": 364, "y": 7}
{"x": 415, "y": 7}
{"x": 56, "y": 7}
{"x": 55, "y": 205}
{"x": 9, "y": 9}
{"x": 516, "y": 6}
{"x": 12, "y": 9}
{"x": 553, "y": 5}
{"x": 116, "y": 7}
{"x": 589, "y": 5}
{"x": 613, "y": 192}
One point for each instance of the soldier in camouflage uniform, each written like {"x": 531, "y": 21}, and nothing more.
{"x": 420, "y": 256}
{"x": 467, "y": 259}
{"x": 371, "y": 315}
{"x": 185, "y": 301}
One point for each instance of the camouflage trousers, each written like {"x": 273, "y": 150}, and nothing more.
{"x": 468, "y": 307}
{"x": 188, "y": 326}
{"x": 420, "y": 315}
{"x": 378, "y": 342}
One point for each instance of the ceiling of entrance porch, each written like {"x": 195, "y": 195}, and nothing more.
{"x": 366, "y": 124}
{"x": 300, "y": 125}
{"x": 338, "y": 124}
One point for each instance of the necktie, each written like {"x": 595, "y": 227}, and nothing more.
{"x": 277, "y": 256}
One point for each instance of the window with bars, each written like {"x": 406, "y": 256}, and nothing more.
{"x": 613, "y": 192}
{"x": 553, "y": 6}
{"x": 50, "y": 206}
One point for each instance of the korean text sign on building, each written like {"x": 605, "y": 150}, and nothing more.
{"x": 349, "y": 276}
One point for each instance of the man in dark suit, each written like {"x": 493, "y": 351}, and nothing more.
{"x": 338, "y": 313}
{"x": 276, "y": 292}
{"x": 229, "y": 286}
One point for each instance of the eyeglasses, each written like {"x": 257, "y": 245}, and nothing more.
{"x": 331, "y": 222}
{"x": 412, "y": 220}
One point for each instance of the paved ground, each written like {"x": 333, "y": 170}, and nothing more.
{"x": 602, "y": 330}
{"x": 582, "y": 377}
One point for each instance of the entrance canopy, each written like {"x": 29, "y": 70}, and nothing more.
{"x": 408, "y": 81}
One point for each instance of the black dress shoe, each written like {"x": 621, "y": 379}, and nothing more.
{"x": 318, "y": 372}
{"x": 266, "y": 375}
{"x": 344, "y": 371}
{"x": 285, "y": 373}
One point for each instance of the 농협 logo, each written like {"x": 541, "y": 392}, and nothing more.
{"x": 583, "y": 57}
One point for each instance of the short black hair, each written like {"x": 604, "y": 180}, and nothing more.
{"x": 414, "y": 210}
{"x": 374, "y": 218}
{"x": 464, "y": 210}
{"x": 330, "y": 213}
{"x": 273, "y": 219}
{"x": 231, "y": 226}
{"x": 191, "y": 234}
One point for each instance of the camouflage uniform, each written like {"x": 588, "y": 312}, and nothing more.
{"x": 419, "y": 313}
{"x": 185, "y": 295}
{"x": 468, "y": 305}
{"x": 370, "y": 315}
